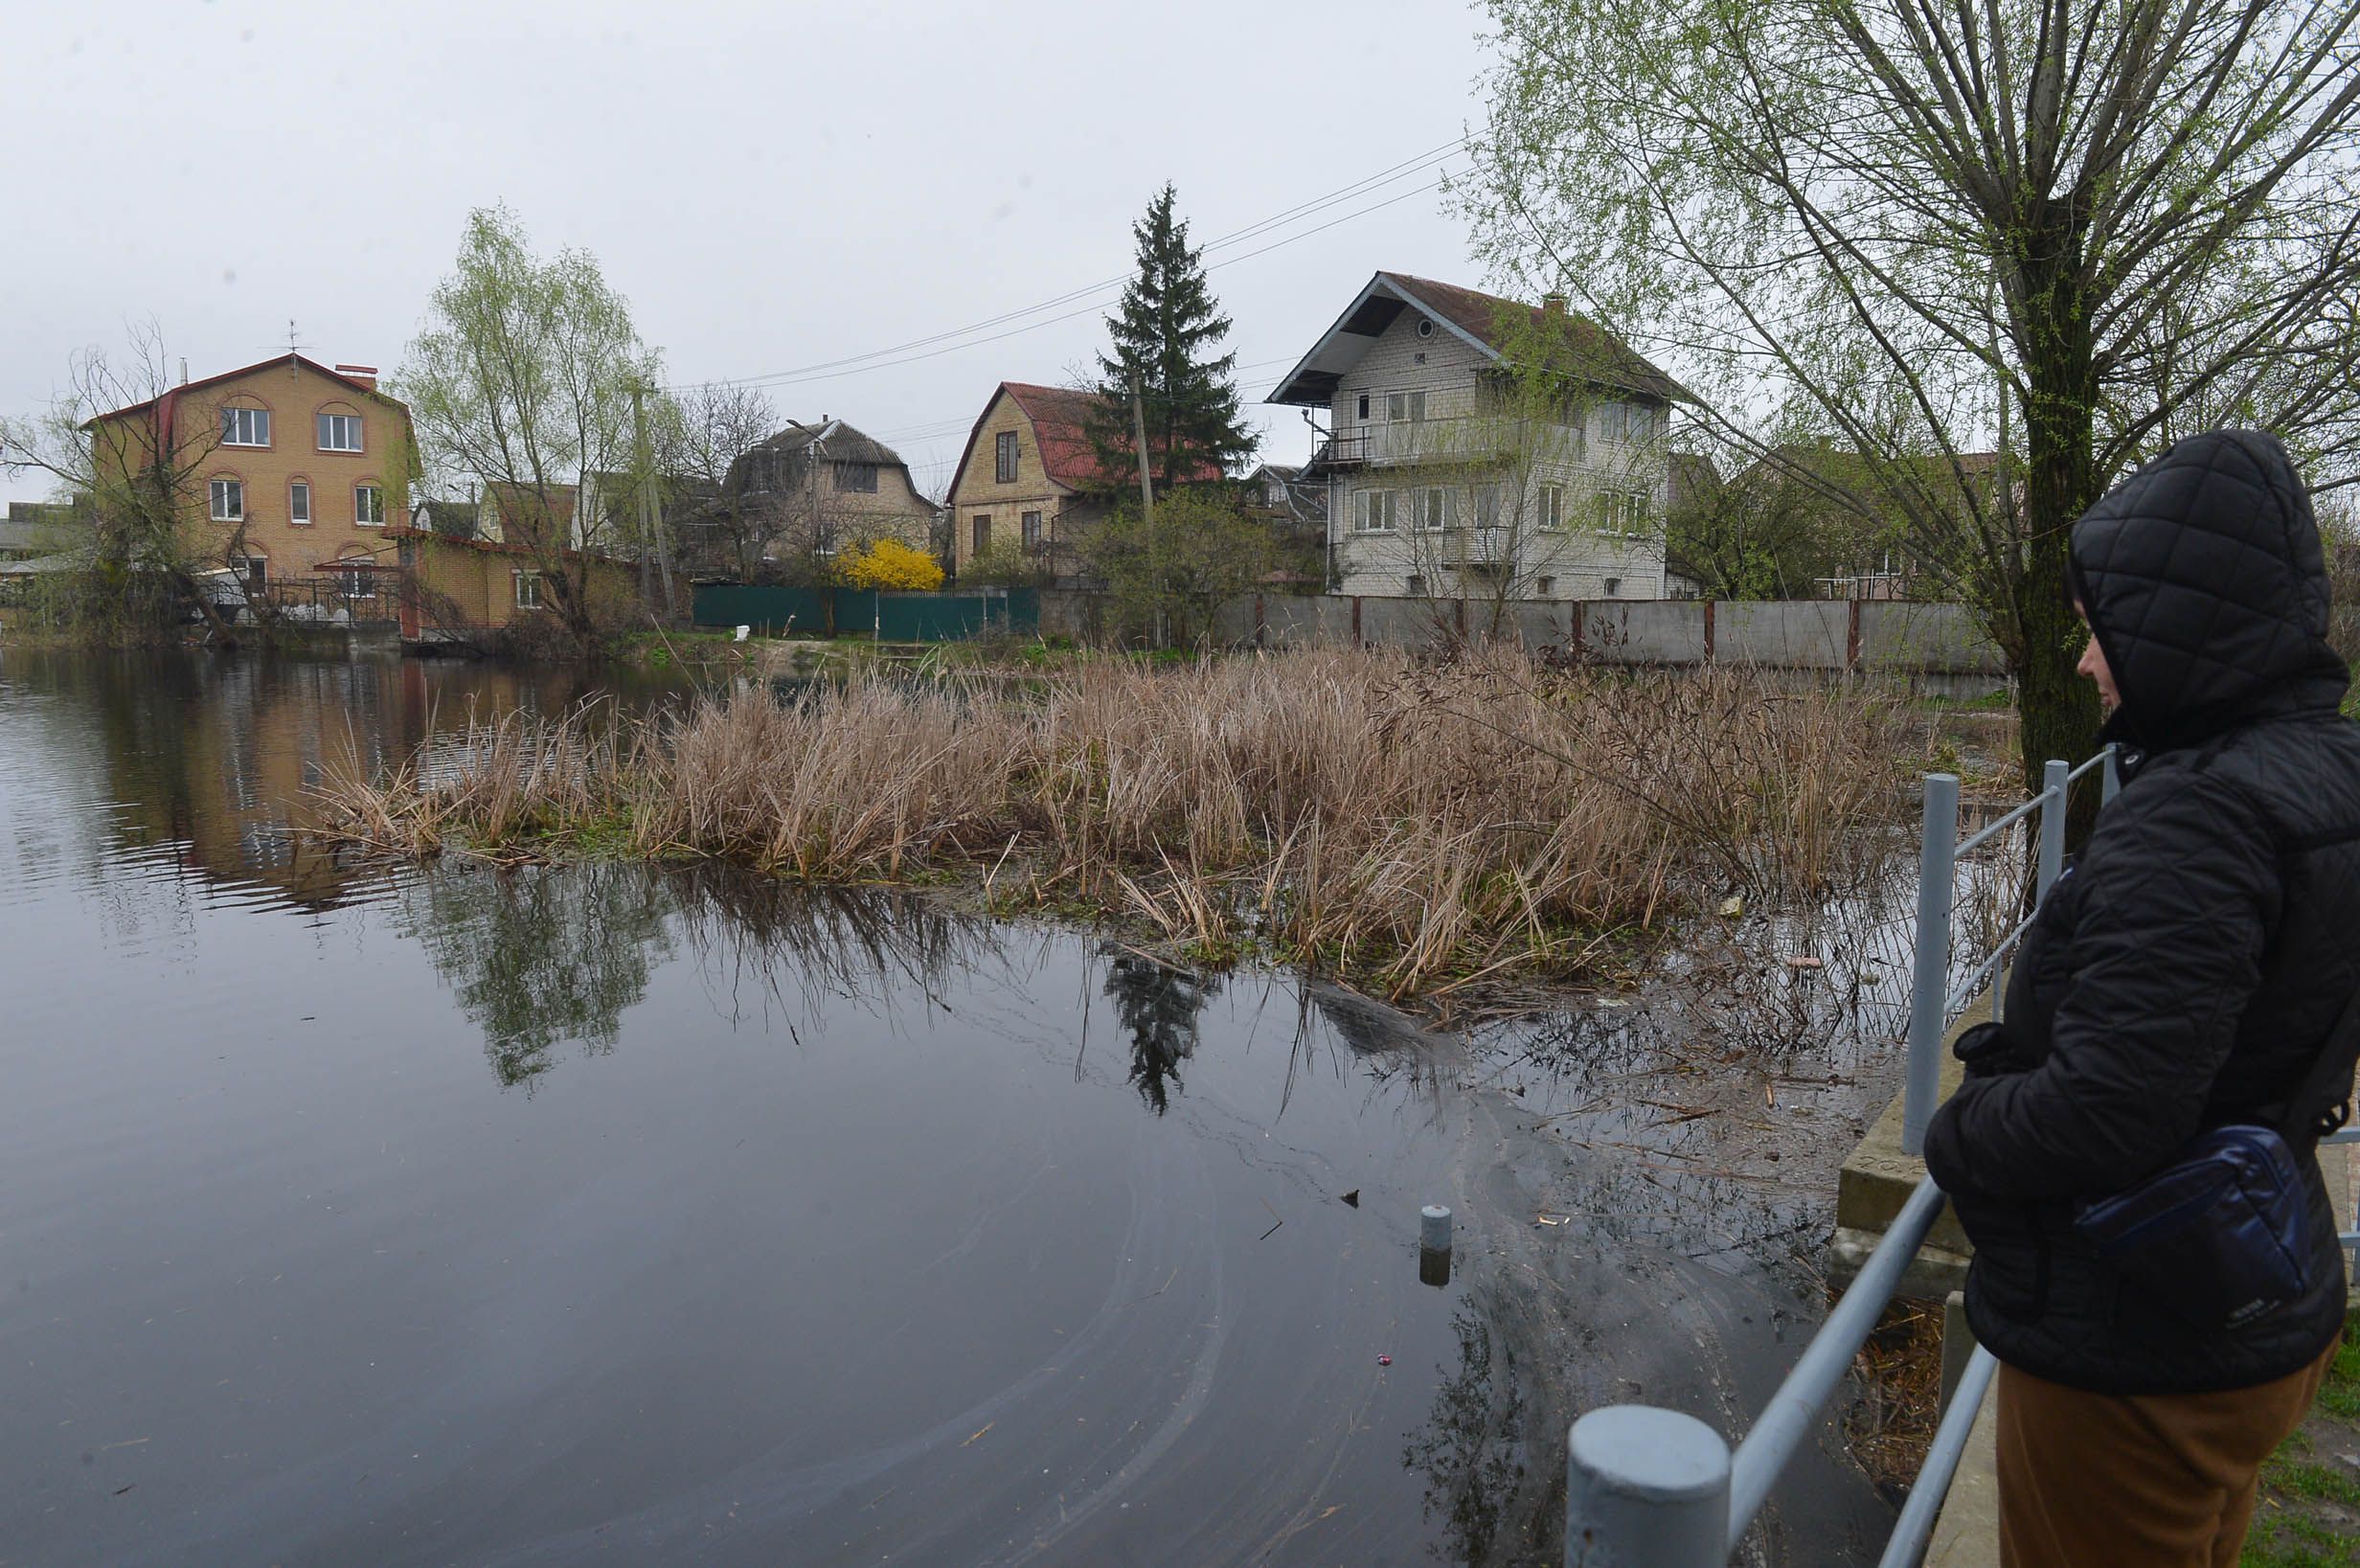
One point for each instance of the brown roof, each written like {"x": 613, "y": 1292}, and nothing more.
{"x": 171, "y": 395}
{"x": 1061, "y": 418}
{"x": 1586, "y": 347}
{"x": 841, "y": 442}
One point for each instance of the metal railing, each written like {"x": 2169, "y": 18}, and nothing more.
{"x": 1655, "y": 1489}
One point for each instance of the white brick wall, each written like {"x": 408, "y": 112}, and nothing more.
{"x": 1577, "y": 561}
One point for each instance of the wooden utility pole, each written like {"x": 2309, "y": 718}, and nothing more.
{"x": 638, "y": 461}
{"x": 1146, "y": 508}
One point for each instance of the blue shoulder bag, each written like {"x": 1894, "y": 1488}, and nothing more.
{"x": 2222, "y": 1232}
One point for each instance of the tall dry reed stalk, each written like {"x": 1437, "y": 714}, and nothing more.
{"x": 1415, "y": 825}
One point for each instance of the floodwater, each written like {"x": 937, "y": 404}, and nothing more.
{"x": 606, "y": 1214}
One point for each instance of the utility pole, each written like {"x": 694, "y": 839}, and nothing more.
{"x": 1147, "y": 508}
{"x": 638, "y": 461}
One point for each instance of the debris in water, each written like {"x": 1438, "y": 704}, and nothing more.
{"x": 1733, "y": 907}
{"x": 1384, "y": 1360}
{"x": 1352, "y": 1197}
{"x": 1804, "y": 960}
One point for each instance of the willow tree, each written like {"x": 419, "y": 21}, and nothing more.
{"x": 529, "y": 377}
{"x": 2005, "y": 249}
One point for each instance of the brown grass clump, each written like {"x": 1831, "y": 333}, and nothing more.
{"x": 1416, "y": 825}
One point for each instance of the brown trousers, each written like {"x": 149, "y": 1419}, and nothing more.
{"x": 2143, "y": 1481}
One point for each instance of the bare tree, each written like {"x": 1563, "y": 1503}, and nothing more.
{"x": 131, "y": 463}
{"x": 706, "y": 436}
{"x": 2058, "y": 232}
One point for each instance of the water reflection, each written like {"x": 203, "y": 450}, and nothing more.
{"x": 540, "y": 956}
{"x": 209, "y": 765}
{"x": 1471, "y": 1450}
{"x": 1159, "y": 1005}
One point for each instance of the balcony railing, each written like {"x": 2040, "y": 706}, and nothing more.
{"x": 1465, "y": 440}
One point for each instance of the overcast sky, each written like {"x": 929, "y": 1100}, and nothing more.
{"x": 772, "y": 187}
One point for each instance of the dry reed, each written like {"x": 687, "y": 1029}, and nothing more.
{"x": 1411, "y": 824}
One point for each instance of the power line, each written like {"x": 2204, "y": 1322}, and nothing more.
{"x": 791, "y": 378}
{"x": 1417, "y": 164}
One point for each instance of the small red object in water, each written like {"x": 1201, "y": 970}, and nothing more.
{"x": 1384, "y": 1360}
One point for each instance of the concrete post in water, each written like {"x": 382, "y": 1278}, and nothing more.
{"x": 1937, "y": 857}
{"x": 1646, "y": 1489}
{"x": 1434, "y": 1228}
{"x": 2056, "y": 790}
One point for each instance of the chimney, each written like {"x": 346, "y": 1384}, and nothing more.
{"x": 183, "y": 370}
{"x": 1552, "y": 302}
{"x": 365, "y": 375}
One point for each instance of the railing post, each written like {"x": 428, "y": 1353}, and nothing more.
{"x": 1937, "y": 855}
{"x": 1646, "y": 1489}
{"x": 2054, "y": 793}
{"x": 2112, "y": 776}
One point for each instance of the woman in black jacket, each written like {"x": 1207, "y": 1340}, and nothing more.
{"x": 2186, "y": 973}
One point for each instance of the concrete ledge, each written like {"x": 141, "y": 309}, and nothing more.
{"x": 1878, "y": 1178}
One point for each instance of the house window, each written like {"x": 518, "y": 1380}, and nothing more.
{"x": 1552, "y": 506}
{"x": 229, "y": 501}
{"x": 527, "y": 590}
{"x": 1622, "y": 515}
{"x": 983, "y": 531}
{"x": 856, "y": 478}
{"x": 339, "y": 432}
{"x": 360, "y": 582}
{"x": 1004, "y": 458}
{"x": 1364, "y": 405}
{"x": 1614, "y": 587}
{"x": 252, "y": 570}
{"x": 1613, "y": 422}
{"x": 1405, "y": 405}
{"x": 1416, "y": 586}
{"x": 1546, "y": 585}
{"x": 1033, "y": 533}
{"x": 1374, "y": 511}
{"x": 367, "y": 505}
{"x": 245, "y": 427}
{"x": 1640, "y": 422}
{"x": 1432, "y": 511}
{"x": 1486, "y": 505}
{"x": 298, "y": 501}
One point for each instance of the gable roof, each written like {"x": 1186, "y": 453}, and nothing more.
{"x": 837, "y": 441}
{"x": 1060, "y": 419}
{"x": 171, "y": 394}
{"x": 1576, "y": 344}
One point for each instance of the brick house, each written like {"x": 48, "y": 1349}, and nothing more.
{"x": 824, "y": 487}
{"x": 1453, "y": 473}
{"x": 298, "y": 466}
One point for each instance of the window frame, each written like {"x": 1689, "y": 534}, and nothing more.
{"x": 1551, "y": 500}
{"x": 254, "y": 419}
{"x": 853, "y": 472}
{"x": 300, "y": 517}
{"x": 357, "y": 581}
{"x": 253, "y": 571}
{"x": 321, "y": 428}
{"x": 219, "y": 490}
{"x": 1033, "y": 530}
{"x": 519, "y": 576}
{"x": 1007, "y": 456}
{"x": 1374, "y": 511}
{"x": 360, "y": 517}
{"x": 980, "y": 536}
{"x": 1433, "y": 509}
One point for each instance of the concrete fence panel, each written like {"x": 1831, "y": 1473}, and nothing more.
{"x": 1938, "y": 639}
{"x": 1784, "y": 634}
{"x": 1646, "y": 631}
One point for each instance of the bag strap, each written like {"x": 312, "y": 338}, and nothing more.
{"x": 2330, "y": 1075}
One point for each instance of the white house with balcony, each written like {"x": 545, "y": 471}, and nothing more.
{"x": 1477, "y": 447}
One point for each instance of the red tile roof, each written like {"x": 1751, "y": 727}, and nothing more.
{"x": 1061, "y": 418}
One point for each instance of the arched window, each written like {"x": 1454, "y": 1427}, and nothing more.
{"x": 338, "y": 428}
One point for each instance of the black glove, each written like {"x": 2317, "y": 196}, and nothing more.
{"x": 1987, "y": 1051}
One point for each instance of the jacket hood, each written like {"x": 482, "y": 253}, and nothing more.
{"x": 2203, "y": 580}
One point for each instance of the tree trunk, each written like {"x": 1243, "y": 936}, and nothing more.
{"x": 2059, "y": 709}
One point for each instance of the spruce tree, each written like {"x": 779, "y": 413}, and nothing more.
{"x": 1165, "y": 333}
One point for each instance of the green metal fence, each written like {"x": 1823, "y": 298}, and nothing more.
{"x": 890, "y": 617}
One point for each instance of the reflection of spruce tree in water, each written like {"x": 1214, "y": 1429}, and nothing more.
{"x": 1471, "y": 1447}
{"x": 1159, "y": 1006}
{"x": 542, "y": 955}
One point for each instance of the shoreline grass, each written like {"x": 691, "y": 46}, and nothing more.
{"x": 1411, "y": 824}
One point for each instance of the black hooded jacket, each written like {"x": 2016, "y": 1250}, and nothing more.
{"x": 2189, "y": 969}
